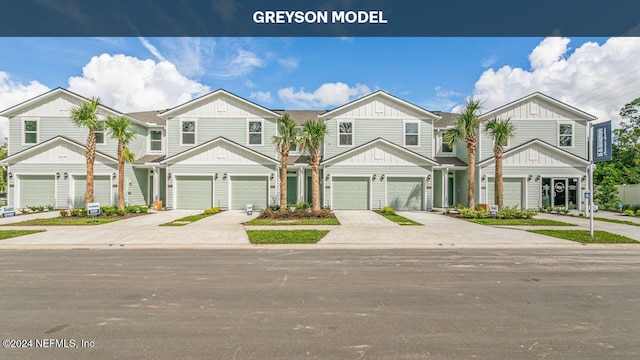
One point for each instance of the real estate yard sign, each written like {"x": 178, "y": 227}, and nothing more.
{"x": 602, "y": 142}
{"x": 8, "y": 211}
{"x": 93, "y": 209}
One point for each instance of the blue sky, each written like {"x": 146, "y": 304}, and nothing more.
{"x": 131, "y": 74}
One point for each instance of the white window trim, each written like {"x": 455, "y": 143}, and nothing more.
{"x": 404, "y": 133}
{"x": 104, "y": 133}
{"x": 23, "y": 135}
{"x": 353, "y": 133}
{"x": 440, "y": 142}
{"x": 195, "y": 136}
{"x": 161, "y": 141}
{"x": 573, "y": 134}
{"x": 261, "y": 133}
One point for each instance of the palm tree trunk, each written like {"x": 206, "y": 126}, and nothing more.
{"x": 91, "y": 157}
{"x": 315, "y": 181}
{"x": 471, "y": 178}
{"x": 283, "y": 181}
{"x": 498, "y": 189}
{"x": 120, "y": 175}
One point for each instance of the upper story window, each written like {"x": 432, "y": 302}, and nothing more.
{"x": 294, "y": 147}
{"x": 99, "y": 132}
{"x": 565, "y": 134}
{"x": 30, "y": 129}
{"x": 155, "y": 140}
{"x": 188, "y": 132}
{"x": 345, "y": 133}
{"x": 445, "y": 148}
{"x": 411, "y": 133}
{"x": 255, "y": 132}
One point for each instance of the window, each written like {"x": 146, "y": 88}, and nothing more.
{"x": 565, "y": 135}
{"x": 188, "y": 132}
{"x": 411, "y": 133}
{"x": 30, "y": 131}
{"x": 294, "y": 147}
{"x": 255, "y": 132}
{"x": 345, "y": 133}
{"x": 155, "y": 140}
{"x": 444, "y": 146}
{"x": 99, "y": 132}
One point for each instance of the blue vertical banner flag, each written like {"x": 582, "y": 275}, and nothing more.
{"x": 601, "y": 142}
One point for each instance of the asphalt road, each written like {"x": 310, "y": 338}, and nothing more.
{"x": 333, "y": 304}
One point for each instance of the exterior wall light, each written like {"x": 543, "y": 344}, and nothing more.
{"x": 10, "y": 175}
{"x": 66, "y": 175}
{"x": 215, "y": 176}
{"x": 381, "y": 177}
{"x": 484, "y": 177}
{"x": 584, "y": 177}
{"x": 271, "y": 177}
{"x": 113, "y": 176}
{"x": 538, "y": 178}
{"x": 327, "y": 177}
{"x": 168, "y": 176}
{"x": 224, "y": 176}
{"x": 530, "y": 177}
{"x": 373, "y": 177}
{"x": 429, "y": 177}
{"x": 57, "y": 175}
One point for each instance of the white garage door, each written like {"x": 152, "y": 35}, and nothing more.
{"x": 404, "y": 193}
{"x": 37, "y": 190}
{"x": 351, "y": 193}
{"x": 101, "y": 190}
{"x": 249, "y": 190}
{"x": 512, "y": 191}
{"x": 194, "y": 192}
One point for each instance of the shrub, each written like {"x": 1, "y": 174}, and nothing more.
{"x": 301, "y": 205}
{"x": 64, "y": 213}
{"x": 78, "y": 212}
{"x": 515, "y": 213}
{"x": 49, "y": 207}
{"x": 468, "y": 213}
{"x": 274, "y": 207}
{"x": 212, "y": 211}
{"x": 108, "y": 210}
{"x": 629, "y": 212}
{"x": 387, "y": 210}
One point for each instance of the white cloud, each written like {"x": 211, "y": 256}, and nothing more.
{"x": 327, "y": 95}
{"x": 152, "y": 49}
{"x": 443, "y": 100}
{"x": 13, "y": 93}
{"x": 289, "y": 63}
{"x": 598, "y": 79}
{"x": 129, "y": 84}
{"x": 487, "y": 62}
{"x": 263, "y": 97}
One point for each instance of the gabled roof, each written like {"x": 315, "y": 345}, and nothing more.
{"x": 35, "y": 148}
{"x": 210, "y": 95}
{"x": 149, "y": 159}
{"x": 382, "y": 141}
{"x": 210, "y": 142}
{"x": 544, "y": 144}
{"x": 447, "y": 119}
{"x": 452, "y": 160}
{"x": 57, "y": 91}
{"x": 386, "y": 95}
{"x": 149, "y": 117}
{"x": 548, "y": 98}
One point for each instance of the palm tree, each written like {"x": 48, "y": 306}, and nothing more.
{"x": 85, "y": 116}
{"x": 500, "y": 131}
{"x": 118, "y": 128}
{"x": 288, "y": 136}
{"x": 313, "y": 134}
{"x": 466, "y": 130}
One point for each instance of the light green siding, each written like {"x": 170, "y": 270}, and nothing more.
{"x": 350, "y": 193}
{"x": 460, "y": 187}
{"x": 194, "y": 192}
{"x": 405, "y": 193}
{"x": 234, "y": 129}
{"x": 249, "y": 190}
{"x": 37, "y": 190}
{"x": 437, "y": 188}
{"x": 512, "y": 192}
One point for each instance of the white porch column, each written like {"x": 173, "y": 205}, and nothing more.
{"x": 156, "y": 184}
{"x": 445, "y": 186}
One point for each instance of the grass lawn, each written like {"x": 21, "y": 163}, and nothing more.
{"x": 400, "y": 220}
{"x": 582, "y": 236}
{"x": 625, "y": 222}
{"x": 67, "y": 220}
{"x": 523, "y": 222}
{"x": 186, "y": 220}
{"x": 293, "y": 222}
{"x": 6, "y": 234}
{"x": 286, "y": 236}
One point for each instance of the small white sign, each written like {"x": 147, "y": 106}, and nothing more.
{"x": 249, "y": 209}
{"x": 493, "y": 208}
{"x": 93, "y": 208}
{"x": 587, "y": 194}
{"x": 8, "y": 211}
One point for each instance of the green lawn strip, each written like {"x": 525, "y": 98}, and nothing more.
{"x": 521, "y": 222}
{"x": 6, "y": 234}
{"x": 293, "y": 222}
{"x": 616, "y": 221}
{"x": 400, "y": 220}
{"x": 285, "y": 236}
{"x": 186, "y": 220}
{"x": 67, "y": 220}
{"x": 582, "y": 236}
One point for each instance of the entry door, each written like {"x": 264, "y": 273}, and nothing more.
{"x": 560, "y": 188}
{"x": 450, "y": 191}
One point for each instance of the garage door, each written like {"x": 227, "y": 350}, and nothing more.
{"x": 249, "y": 190}
{"x": 101, "y": 190}
{"x": 404, "y": 193}
{"x": 351, "y": 193}
{"x": 512, "y": 191}
{"x": 37, "y": 190}
{"x": 194, "y": 192}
